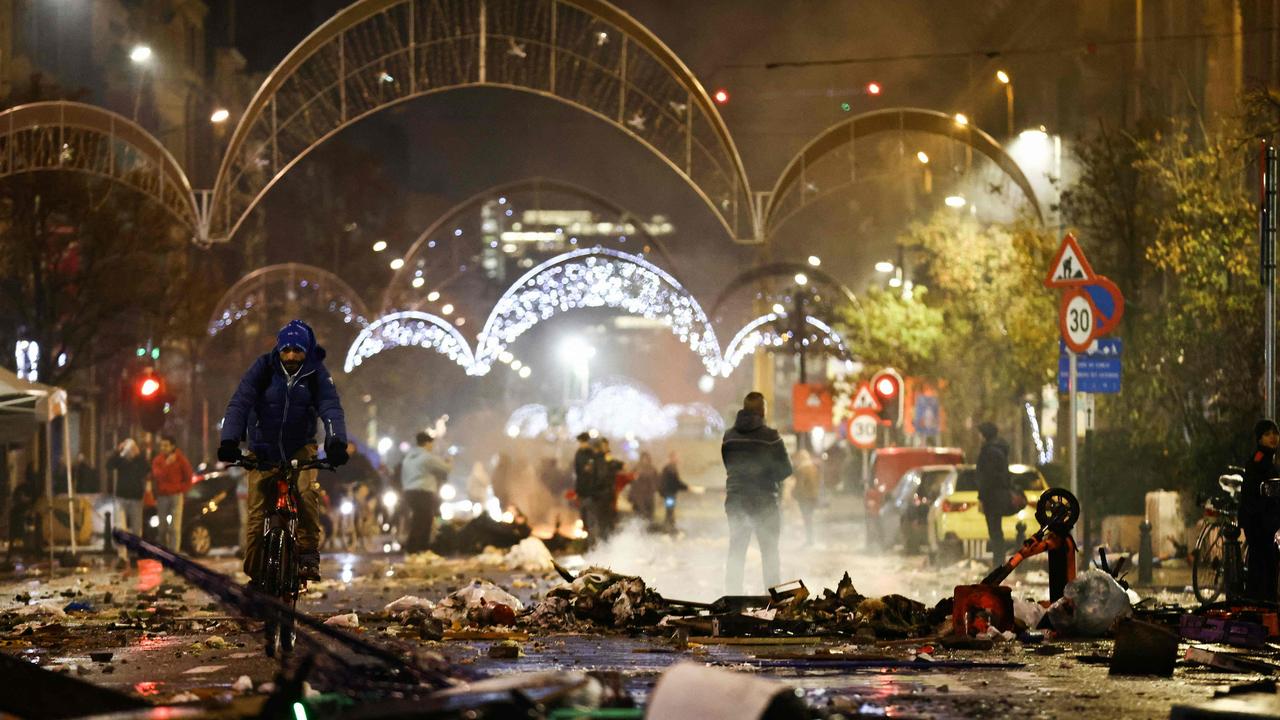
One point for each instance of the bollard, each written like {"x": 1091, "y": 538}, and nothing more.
{"x": 1021, "y": 537}
{"x": 1145, "y": 551}
{"x": 108, "y": 547}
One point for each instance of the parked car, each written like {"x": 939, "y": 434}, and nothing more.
{"x": 210, "y": 517}
{"x": 904, "y": 515}
{"x": 887, "y": 467}
{"x": 956, "y": 524}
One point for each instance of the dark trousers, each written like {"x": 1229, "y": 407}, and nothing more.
{"x": 748, "y": 515}
{"x": 1264, "y": 559}
{"x": 669, "y": 520}
{"x": 423, "y": 506}
{"x": 995, "y": 533}
{"x": 597, "y": 517}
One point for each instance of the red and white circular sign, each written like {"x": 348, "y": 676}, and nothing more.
{"x": 1077, "y": 319}
{"x": 863, "y": 429}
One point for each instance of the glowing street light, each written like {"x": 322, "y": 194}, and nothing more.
{"x": 815, "y": 261}
{"x": 923, "y": 157}
{"x": 397, "y": 263}
{"x": 140, "y": 54}
{"x": 802, "y": 279}
{"x": 1003, "y": 77}
{"x": 884, "y": 266}
{"x": 962, "y": 119}
{"x": 220, "y": 116}
{"x": 380, "y": 246}
{"x": 955, "y": 201}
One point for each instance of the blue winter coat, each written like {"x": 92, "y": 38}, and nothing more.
{"x": 280, "y": 416}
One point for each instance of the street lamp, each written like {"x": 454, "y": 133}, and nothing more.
{"x": 923, "y": 157}
{"x": 815, "y": 261}
{"x": 219, "y": 116}
{"x": 802, "y": 279}
{"x": 955, "y": 201}
{"x": 1003, "y": 78}
{"x": 962, "y": 119}
{"x": 140, "y": 55}
{"x": 576, "y": 353}
{"x": 884, "y": 266}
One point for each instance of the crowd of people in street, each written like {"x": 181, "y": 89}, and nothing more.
{"x": 600, "y": 479}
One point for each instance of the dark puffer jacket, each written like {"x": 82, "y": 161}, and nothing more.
{"x": 279, "y": 413}
{"x": 754, "y": 457}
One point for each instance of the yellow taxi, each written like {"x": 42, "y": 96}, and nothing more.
{"x": 955, "y": 518}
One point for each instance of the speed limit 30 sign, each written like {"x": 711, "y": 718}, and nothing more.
{"x": 1077, "y": 319}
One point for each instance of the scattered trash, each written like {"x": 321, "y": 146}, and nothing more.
{"x": 691, "y": 691}
{"x": 406, "y": 603}
{"x": 243, "y": 684}
{"x": 1028, "y": 613}
{"x": 184, "y": 697}
{"x": 505, "y": 650}
{"x": 346, "y": 620}
{"x": 77, "y": 606}
{"x": 529, "y": 555}
{"x": 1229, "y": 662}
{"x": 203, "y": 669}
{"x": 215, "y": 642}
{"x": 47, "y": 608}
{"x": 1144, "y": 648}
{"x": 1211, "y": 629}
{"x": 1090, "y": 605}
{"x": 481, "y": 603}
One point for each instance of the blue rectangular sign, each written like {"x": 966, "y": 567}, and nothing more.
{"x": 1097, "y": 371}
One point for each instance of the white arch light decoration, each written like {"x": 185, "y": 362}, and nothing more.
{"x": 580, "y": 279}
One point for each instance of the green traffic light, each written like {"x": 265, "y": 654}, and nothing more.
{"x": 155, "y": 353}
{"x": 142, "y": 351}
{"x": 846, "y": 107}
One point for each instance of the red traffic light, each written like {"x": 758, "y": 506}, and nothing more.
{"x": 148, "y": 387}
{"x": 873, "y": 88}
{"x": 886, "y": 386}
{"x": 721, "y": 96}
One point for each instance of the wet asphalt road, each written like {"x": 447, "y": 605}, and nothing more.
{"x": 166, "y": 640}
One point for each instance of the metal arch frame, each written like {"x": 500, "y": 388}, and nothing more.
{"x": 352, "y": 16}
{"x": 170, "y": 188}
{"x": 293, "y": 270}
{"x": 779, "y": 269}
{"x": 931, "y": 122}
{"x": 535, "y": 183}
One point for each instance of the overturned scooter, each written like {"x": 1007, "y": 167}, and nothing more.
{"x": 990, "y": 604}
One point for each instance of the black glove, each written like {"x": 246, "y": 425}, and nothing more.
{"x": 336, "y": 453}
{"x": 229, "y": 451}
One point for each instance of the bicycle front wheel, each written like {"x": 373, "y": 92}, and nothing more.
{"x": 1208, "y": 564}
{"x": 280, "y": 581}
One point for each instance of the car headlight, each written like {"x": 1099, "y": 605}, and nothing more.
{"x": 389, "y": 499}
{"x": 346, "y": 508}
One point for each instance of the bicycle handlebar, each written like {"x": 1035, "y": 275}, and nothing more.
{"x": 248, "y": 464}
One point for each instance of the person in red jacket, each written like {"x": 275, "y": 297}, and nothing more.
{"x": 170, "y": 480}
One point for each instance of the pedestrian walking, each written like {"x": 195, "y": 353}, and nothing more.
{"x": 644, "y": 489}
{"x": 585, "y": 481}
{"x": 995, "y": 488}
{"x": 669, "y": 485}
{"x": 170, "y": 480}
{"x": 1260, "y": 516}
{"x": 756, "y": 463}
{"x": 128, "y": 470}
{"x": 610, "y": 484}
{"x": 421, "y": 475}
{"x": 807, "y": 491}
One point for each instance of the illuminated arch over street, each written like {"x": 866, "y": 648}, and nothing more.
{"x": 378, "y": 53}
{"x": 286, "y": 283}
{"x": 75, "y": 137}
{"x": 829, "y": 156}
{"x": 446, "y": 230}
{"x": 583, "y": 279}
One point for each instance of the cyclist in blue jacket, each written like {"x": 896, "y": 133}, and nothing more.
{"x": 278, "y": 403}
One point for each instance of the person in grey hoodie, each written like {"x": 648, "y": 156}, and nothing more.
{"x": 756, "y": 463}
{"x": 421, "y": 475}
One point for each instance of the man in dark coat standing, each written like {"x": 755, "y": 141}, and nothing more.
{"x": 756, "y": 462}
{"x": 1260, "y": 516}
{"x": 994, "y": 487}
{"x": 585, "y": 485}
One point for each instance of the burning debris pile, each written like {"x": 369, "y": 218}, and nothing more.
{"x": 599, "y": 597}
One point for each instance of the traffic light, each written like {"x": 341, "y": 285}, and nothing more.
{"x": 151, "y": 400}
{"x": 887, "y": 387}
{"x": 721, "y": 96}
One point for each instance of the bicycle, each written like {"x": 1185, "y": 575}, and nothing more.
{"x": 1217, "y": 560}
{"x": 278, "y": 573}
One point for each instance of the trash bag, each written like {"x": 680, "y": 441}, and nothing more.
{"x": 531, "y": 556}
{"x": 1090, "y": 605}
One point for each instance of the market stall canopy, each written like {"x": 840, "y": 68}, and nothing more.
{"x": 24, "y": 404}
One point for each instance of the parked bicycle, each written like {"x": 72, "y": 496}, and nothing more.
{"x": 278, "y": 574}
{"x": 1217, "y": 560}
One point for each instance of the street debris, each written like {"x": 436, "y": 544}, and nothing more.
{"x": 1144, "y": 648}
{"x": 1090, "y": 606}
{"x": 481, "y": 603}
{"x": 243, "y": 684}
{"x": 345, "y": 620}
{"x": 406, "y": 603}
{"x": 529, "y": 555}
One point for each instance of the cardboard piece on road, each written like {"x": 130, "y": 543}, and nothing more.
{"x": 1070, "y": 267}
{"x": 693, "y": 691}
